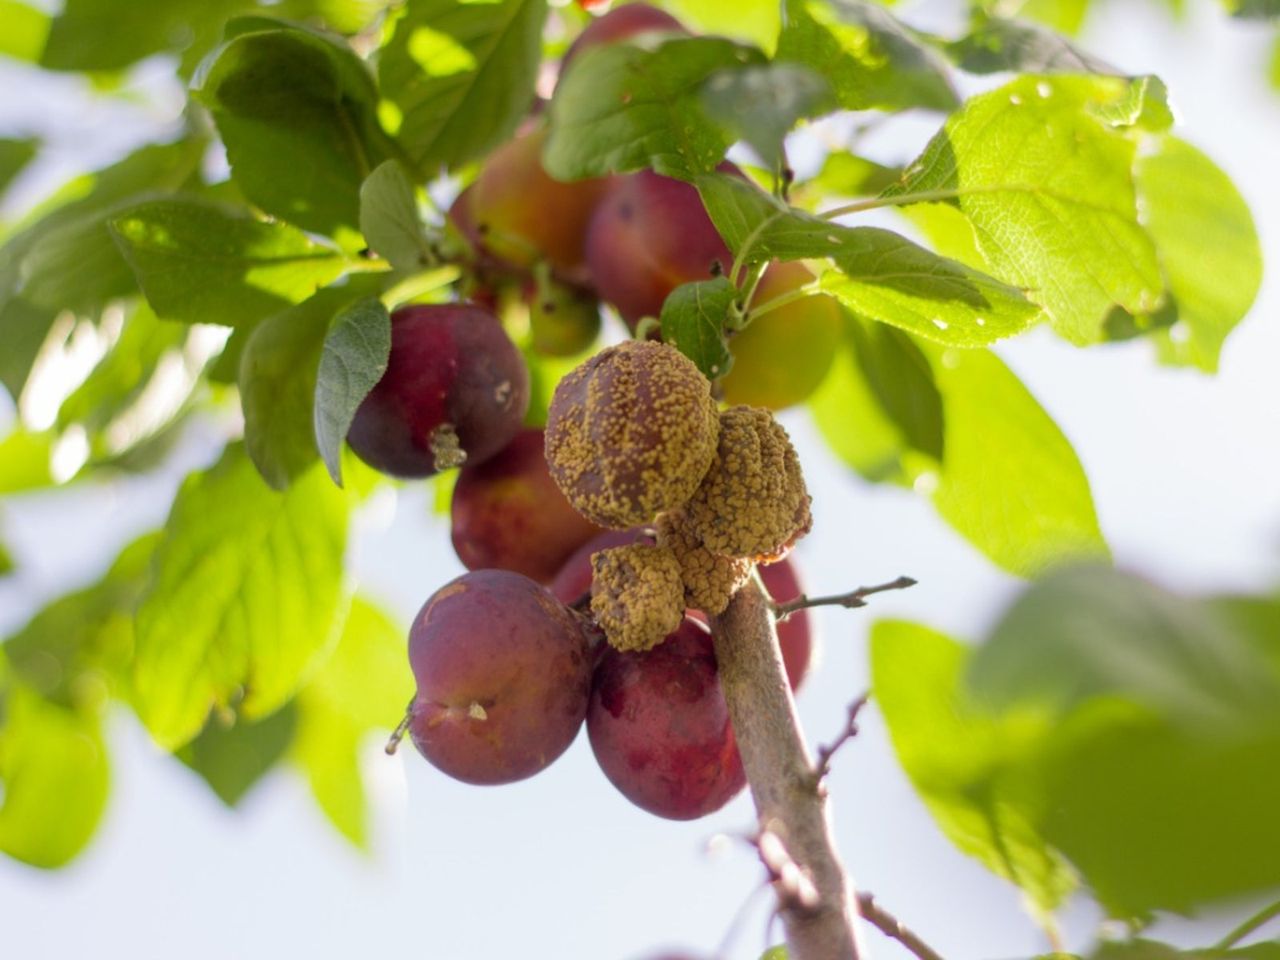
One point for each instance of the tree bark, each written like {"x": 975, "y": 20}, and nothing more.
{"x": 788, "y": 797}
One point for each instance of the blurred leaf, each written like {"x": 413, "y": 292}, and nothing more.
{"x": 902, "y": 381}
{"x": 1047, "y": 184}
{"x": 752, "y": 21}
{"x": 25, "y": 29}
{"x": 364, "y": 686}
{"x": 693, "y": 321}
{"x": 996, "y": 45}
{"x": 775, "y": 953}
{"x": 1206, "y": 243}
{"x": 246, "y": 596}
{"x": 621, "y": 107}
{"x": 461, "y": 75}
{"x": 24, "y": 461}
{"x": 76, "y": 651}
{"x": 1253, "y": 9}
{"x": 104, "y": 35}
{"x": 231, "y": 759}
{"x": 202, "y": 263}
{"x": 847, "y": 176}
{"x": 297, "y": 110}
{"x": 353, "y": 359}
{"x": 6, "y": 561}
{"x": 959, "y": 757}
{"x": 1010, "y": 481}
{"x": 25, "y": 327}
{"x": 1065, "y": 15}
{"x": 1086, "y": 632}
{"x": 760, "y": 105}
{"x": 389, "y": 218}
{"x": 1151, "y": 950}
{"x": 872, "y": 60}
{"x": 879, "y": 274}
{"x": 53, "y": 778}
{"x": 14, "y": 154}
{"x": 278, "y": 379}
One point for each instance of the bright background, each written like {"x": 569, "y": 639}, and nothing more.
{"x": 1183, "y": 469}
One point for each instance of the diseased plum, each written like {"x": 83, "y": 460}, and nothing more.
{"x": 660, "y": 728}
{"x": 796, "y": 633}
{"x": 504, "y": 677}
{"x": 631, "y": 432}
{"x": 455, "y": 390}
{"x": 620, "y": 23}
{"x": 637, "y": 596}
{"x": 782, "y": 356}
{"x": 648, "y": 235}
{"x": 573, "y": 581}
{"x": 507, "y": 513}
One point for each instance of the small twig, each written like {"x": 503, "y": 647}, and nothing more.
{"x": 854, "y": 598}
{"x": 793, "y": 885}
{"x": 823, "y": 766}
{"x": 1260, "y": 918}
{"x": 739, "y": 919}
{"x": 892, "y": 927}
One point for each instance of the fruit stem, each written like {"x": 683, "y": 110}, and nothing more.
{"x": 780, "y": 772}
{"x": 393, "y": 742}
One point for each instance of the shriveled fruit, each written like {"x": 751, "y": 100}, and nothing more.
{"x": 455, "y": 391}
{"x": 637, "y": 596}
{"x": 648, "y": 235}
{"x": 507, "y": 513}
{"x": 709, "y": 580}
{"x": 631, "y": 433}
{"x": 573, "y": 581}
{"x": 660, "y": 728}
{"x": 783, "y": 355}
{"x": 623, "y": 22}
{"x": 504, "y": 676}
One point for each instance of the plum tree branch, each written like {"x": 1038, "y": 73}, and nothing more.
{"x": 854, "y": 598}
{"x": 780, "y": 771}
{"x": 894, "y": 928}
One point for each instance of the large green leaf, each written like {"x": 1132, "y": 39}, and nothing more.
{"x": 297, "y": 111}
{"x": 1046, "y": 181}
{"x": 622, "y": 107}
{"x": 1010, "y": 481}
{"x": 232, "y": 758}
{"x": 960, "y": 757}
{"x": 357, "y": 348}
{"x": 246, "y": 596}
{"x": 461, "y": 75}
{"x": 1206, "y": 243}
{"x": 203, "y": 263}
{"x": 871, "y": 59}
{"x": 878, "y": 274}
{"x": 53, "y": 777}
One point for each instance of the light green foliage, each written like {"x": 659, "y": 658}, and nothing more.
{"x": 245, "y": 597}
{"x": 872, "y": 60}
{"x": 7, "y": 563}
{"x": 232, "y": 758}
{"x": 24, "y": 461}
{"x": 899, "y": 375}
{"x": 760, "y": 105}
{"x": 1048, "y": 188}
{"x": 204, "y": 263}
{"x": 623, "y": 107}
{"x": 461, "y": 75}
{"x": 25, "y": 29}
{"x": 357, "y": 347}
{"x": 1206, "y": 244}
{"x": 297, "y": 111}
{"x": 693, "y": 320}
{"x": 53, "y": 777}
{"x": 389, "y": 218}
{"x": 14, "y": 155}
{"x": 752, "y": 21}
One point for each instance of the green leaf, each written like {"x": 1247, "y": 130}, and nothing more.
{"x": 872, "y": 60}
{"x": 278, "y": 378}
{"x": 960, "y": 757}
{"x": 7, "y": 564}
{"x": 760, "y": 105}
{"x": 752, "y": 21}
{"x": 106, "y": 35}
{"x": 14, "y": 155}
{"x": 461, "y": 75}
{"x": 775, "y": 953}
{"x": 1206, "y": 243}
{"x": 26, "y": 327}
{"x": 246, "y": 596}
{"x": 202, "y": 263}
{"x": 621, "y": 107}
{"x": 1046, "y": 182}
{"x": 76, "y": 651}
{"x": 1065, "y": 15}
{"x": 1088, "y": 632}
{"x": 693, "y": 321}
{"x": 53, "y": 778}
{"x": 996, "y": 45}
{"x": 25, "y": 29}
{"x": 903, "y": 383}
{"x": 354, "y": 358}
{"x": 879, "y": 274}
{"x": 1253, "y": 9}
{"x": 364, "y": 686}
{"x": 297, "y": 111}
{"x": 25, "y": 461}
{"x": 231, "y": 759}
{"x": 389, "y": 218}
{"x": 1010, "y": 482}
{"x": 1152, "y": 950}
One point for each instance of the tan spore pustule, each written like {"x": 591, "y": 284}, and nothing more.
{"x": 631, "y": 433}
{"x": 752, "y": 502}
{"x": 637, "y": 596}
{"x": 710, "y": 580}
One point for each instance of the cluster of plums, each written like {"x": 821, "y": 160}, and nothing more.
{"x": 507, "y": 661}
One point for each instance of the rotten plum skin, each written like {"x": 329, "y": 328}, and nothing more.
{"x": 660, "y": 729}
{"x": 504, "y": 678}
{"x": 455, "y": 391}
